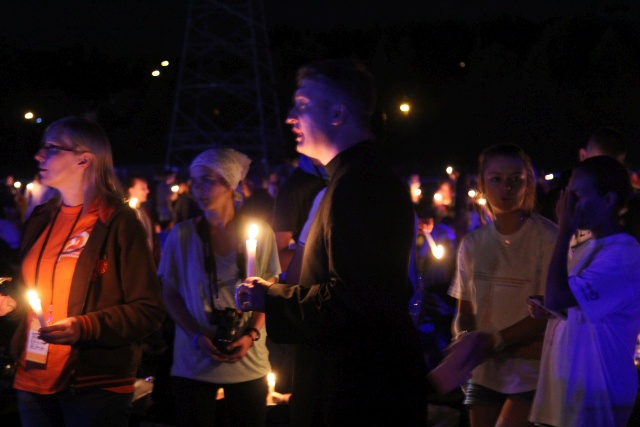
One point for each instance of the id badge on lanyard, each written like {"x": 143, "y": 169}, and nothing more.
{"x": 37, "y": 349}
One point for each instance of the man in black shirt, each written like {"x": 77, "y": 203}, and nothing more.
{"x": 359, "y": 360}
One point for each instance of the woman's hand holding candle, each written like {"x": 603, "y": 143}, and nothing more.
{"x": 65, "y": 331}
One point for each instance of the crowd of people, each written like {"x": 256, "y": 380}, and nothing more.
{"x": 365, "y": 293}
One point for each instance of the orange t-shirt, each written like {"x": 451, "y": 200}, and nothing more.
{"x": 55, "y": 264}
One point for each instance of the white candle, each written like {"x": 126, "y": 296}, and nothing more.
{"x": 252, "y": 244}
{"x": 36, "y": 306}
{"x": 271, "y": 380}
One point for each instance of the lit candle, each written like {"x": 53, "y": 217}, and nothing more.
{"x": 436, "y": 250}
{"x": 133, "y": 202}
{"x": 271, "y": 380}
{"x": 252, "y": 244}
{"x": 36, "y": 306}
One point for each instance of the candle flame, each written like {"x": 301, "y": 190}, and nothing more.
{"x": 133, "y": 202}
{"x": 32, "y": 295}
{"x": 438, "y": 251}
{"x": 253, "y": 232}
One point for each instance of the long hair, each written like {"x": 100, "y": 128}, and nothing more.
{"x": 100, "y": 181}
{"x": 515, "y": 152}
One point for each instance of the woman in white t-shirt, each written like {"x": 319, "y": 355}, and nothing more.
{"x": 499, "y": 265}
{"x": 588, "y": 376}
{"x": 216, "y": 345}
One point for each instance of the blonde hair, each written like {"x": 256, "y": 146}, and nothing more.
{"x": 100, "y": 182}
{"x": 515, "y": 152}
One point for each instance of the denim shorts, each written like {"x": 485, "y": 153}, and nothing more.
{"x": 479, "y": 395}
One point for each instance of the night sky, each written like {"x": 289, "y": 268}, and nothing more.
{"x": 541, "y": 74}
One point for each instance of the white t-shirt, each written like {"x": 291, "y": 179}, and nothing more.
{"x": 302, "y": 238}
{"x": 182, "y": 267}
{"x": 497, "y": 273}
{"x": 588, "y": 377}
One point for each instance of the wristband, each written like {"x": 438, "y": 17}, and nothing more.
{"x": 194, "y": 340}
{"x": 248, "y": 330}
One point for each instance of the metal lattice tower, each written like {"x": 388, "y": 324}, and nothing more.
{"x": 225, "y": 93}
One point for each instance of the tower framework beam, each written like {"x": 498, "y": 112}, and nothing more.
{"x": 225, "y": 93}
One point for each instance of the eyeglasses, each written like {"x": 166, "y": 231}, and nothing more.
{"x": 54, "y": 149}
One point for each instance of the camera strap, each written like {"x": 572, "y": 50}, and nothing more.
{"x": 203, "y": 230}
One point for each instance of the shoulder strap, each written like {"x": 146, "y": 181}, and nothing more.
{"x": 241, "y": 260}
{"x": 210, "y": 262}
{"x": 202, "y": 227}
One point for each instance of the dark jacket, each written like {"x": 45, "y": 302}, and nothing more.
{"x": 359, "y": 359}
{"x": 115, "y": 293}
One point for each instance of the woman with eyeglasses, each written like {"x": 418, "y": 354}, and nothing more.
{"x": 84, "y": 254}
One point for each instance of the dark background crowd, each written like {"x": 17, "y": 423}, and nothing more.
{"x": 545, "y": 81}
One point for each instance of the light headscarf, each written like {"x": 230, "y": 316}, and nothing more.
{"x": 232, "y": 165}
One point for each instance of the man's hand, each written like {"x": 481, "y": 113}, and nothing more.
{"x": 65, "y": 331}
{"x": 250, "y": 295}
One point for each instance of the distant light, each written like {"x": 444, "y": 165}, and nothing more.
{"x": 482, "y": 201}
{"x": 155, "y": 73}
{"x": 28, "y": 115}
{"x": 175, "y": 188}
{"x": 449, "y": 170}
{"x": 416, "y": 192}
{"x": 39, "y": 120}
{"x": 462, "y": 64}
{"x": 17, "y": 184}
{"x": 165, "y": 63}
{"x": 548, "y": 176}
{"x": 472, "y": 193}
{"x": 437, "y": 197}
{"x": 133, "y": 202}
{"x": 405, "y": 108}
{"x": 30, "y": 186}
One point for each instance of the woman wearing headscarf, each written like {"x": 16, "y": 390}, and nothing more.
{"x": 216, "y": 345}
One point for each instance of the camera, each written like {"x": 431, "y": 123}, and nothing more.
{"x": 227, "y": 321}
